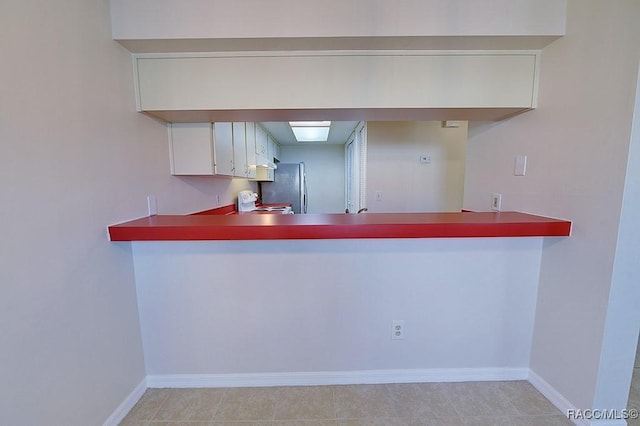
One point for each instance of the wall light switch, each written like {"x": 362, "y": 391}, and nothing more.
{"x": 152, "y": 205}
{"x": 496, "y": 202}
{"x": 520, "y": 167}
{"x": 425, "y": 159}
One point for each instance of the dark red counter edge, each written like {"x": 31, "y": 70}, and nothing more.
{"x": 288, "y": 232}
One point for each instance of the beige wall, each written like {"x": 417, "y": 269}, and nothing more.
{"x": 577, "y": 143}
{"x": 394, "y": 169}
{"x": 76, "y": 157}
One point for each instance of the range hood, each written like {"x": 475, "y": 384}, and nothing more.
{"x": 263, "y": 162}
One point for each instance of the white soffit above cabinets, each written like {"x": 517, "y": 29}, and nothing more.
{"x": 241, "y": 29}
{"x": 163, "y": 26}
{"x": 337, "y": 86}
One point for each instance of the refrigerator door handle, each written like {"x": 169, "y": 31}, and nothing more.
{"x": 305, "y": 192}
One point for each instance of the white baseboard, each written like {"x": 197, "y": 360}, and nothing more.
{"x": 126, "y": 405}
{"x": 564, "y": 405}
{"x": 336, "y": 377}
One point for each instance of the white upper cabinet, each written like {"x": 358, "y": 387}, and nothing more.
{"x": 271, "y": 147}
{"x": 191, "y": 149}
{"x": 223, "y": 149}
{"x": 276, "y": 150}
{"x": 250, "y": 132}
{"x": 265, "y": 145}
{"x": 239, "y": 150}
{"x": 262, "y": 141}
{"x": 201, "y": 149}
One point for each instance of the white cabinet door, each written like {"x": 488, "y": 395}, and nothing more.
{"x": 191, "y": 149}
{"x": 223, "y": 148}
{"x": 271, "y": 147}
{"x": 250, "y": 134}
{"x": 239, "y": 150}
{"x": 262, "y": 141}
{"x": 262, "y": 154}
{"x": 276, "y": 151}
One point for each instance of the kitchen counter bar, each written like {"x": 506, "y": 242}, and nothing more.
{"x": 338, "y": 226}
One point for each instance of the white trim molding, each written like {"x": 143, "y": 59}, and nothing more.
{"x": 336, "y": 377}
{"x": 123, "y": 409}
{"x": 564, "y": 405}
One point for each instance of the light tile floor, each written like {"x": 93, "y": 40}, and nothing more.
{"x": 515, "y": 403}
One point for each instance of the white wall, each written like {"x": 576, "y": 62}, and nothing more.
{"x": 577, "y": 142}
{"x": 327, "y": 306}
{"x": 201, "y": 19}
{"x": 324, "y": 167}
{"x": 623, "y": 316}
{"x": 76, "y": 157}
{"x": 394, "y": 168}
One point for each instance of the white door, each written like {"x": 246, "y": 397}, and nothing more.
{"x": 355, "y": 169}
{"x": 351, "y": 178}
{"x": 361, "y": 161}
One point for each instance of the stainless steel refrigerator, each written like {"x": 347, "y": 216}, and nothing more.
{"x": 289, "y": 186}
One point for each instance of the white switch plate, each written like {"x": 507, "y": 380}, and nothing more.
{"x": 496, "y": 202}
{"x": 520, "y": 167}
{"x": 152, "y": 205}
{"x": 378, "y": 195}
{"x": 425, "y": 159}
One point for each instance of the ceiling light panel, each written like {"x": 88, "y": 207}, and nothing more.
{"x": 310, "y": 123}
{"x": 311, "y": 134}
{"x": 310, "y": 131}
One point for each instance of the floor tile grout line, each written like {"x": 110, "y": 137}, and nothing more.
{"x": 164, "y": 400}
{"x": 275, "y": 405}
{"x": 215, "y": 412}
{"x": 335, "y": 403}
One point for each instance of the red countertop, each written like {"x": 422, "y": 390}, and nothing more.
{"x": 338, "y": 226}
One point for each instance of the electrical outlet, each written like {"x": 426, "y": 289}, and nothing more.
{"x": 496, "y": 202}
{"x": 397, "y": 329}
